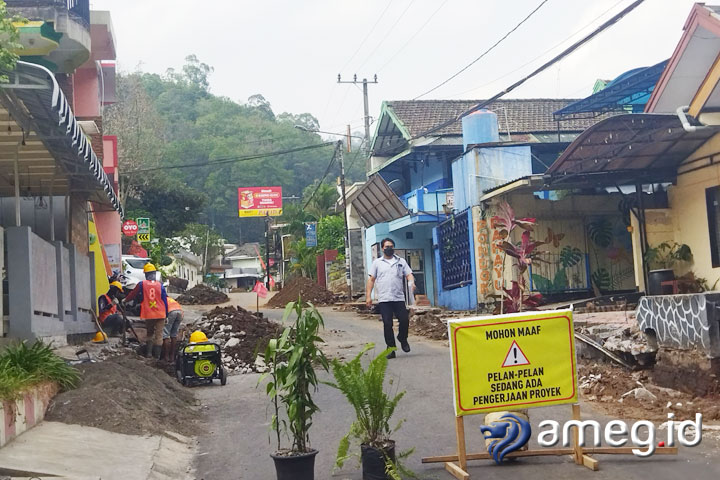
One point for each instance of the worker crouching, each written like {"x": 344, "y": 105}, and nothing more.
{"x": 153, "y": 309}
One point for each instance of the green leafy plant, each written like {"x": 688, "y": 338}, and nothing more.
{"x": 292, "y": 358}
{"x": 22, "y": 366}
{"x": 10, "y": 44}
{"x": 667, "y": 255}
{"x": 374, "y": 408}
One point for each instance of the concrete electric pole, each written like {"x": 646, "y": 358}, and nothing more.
{"x": 365, "y": 83}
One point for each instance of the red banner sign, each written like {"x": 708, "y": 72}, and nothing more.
{"x": 130, "y": 228}
{"x": 259, "y": 201}
{"x": 260, "y": 289}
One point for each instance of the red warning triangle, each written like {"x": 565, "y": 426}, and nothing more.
{"x": 515, "y": 356}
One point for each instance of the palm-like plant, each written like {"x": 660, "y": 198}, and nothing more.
{"x": 374, "y": 408}
{"x": 305, "y": 259}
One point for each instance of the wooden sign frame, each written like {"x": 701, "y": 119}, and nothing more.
{"x": 456, "y": 464}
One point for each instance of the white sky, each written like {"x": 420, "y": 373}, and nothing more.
{"x": 291, "y": 51}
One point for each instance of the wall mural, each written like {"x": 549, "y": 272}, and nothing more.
{"x": 581, "y": 252}
{"x": 610, "y": 251}
{"x": 564, "y": 264}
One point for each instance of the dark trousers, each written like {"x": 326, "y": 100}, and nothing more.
{"x": 112, "y": 325}
{"x": 387, "y": 309}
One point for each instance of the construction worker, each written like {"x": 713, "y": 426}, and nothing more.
{"x": 110, "y": 320}
{"x": 153, "y": 309}
{"x": 170, "y": 331}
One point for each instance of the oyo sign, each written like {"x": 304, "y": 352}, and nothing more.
{"x": 130, "y": 228}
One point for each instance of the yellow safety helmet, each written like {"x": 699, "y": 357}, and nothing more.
{"x": 100, "y": 337}
{"x": 198, "y": 336}
{"x": 149, "y": 267}
{"x": 117, "y": 285}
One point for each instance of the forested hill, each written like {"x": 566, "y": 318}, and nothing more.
{"x": 166, "y": 122}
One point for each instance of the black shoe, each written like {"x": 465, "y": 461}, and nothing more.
{"x": 390, "y": 355}
{"x": 405, "y": 347}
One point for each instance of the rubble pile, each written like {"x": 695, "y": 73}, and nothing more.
{"x": 636, "y": 394}
{"x": 241, "y": 335}
{"x": 429, "y": 323}
{"x": 202, "y": 295}
{"x": 304, "y": 288}
{"x": 629, "y": 343}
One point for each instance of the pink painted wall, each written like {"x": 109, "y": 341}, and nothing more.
{"x": 108, "y": 225}
{"x": 87, "y": 103}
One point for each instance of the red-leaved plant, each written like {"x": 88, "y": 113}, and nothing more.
{"x": 515, "y": 299}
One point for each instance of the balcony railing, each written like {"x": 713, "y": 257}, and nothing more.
{"x": 418, "y": 201}
{"x": 78, "y": 9}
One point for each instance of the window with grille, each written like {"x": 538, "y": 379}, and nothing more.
{"x": 454, "y": 245}
{"x": 712, "y": 196}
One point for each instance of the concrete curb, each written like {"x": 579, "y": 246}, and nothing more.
{"x": 27, "y": 411}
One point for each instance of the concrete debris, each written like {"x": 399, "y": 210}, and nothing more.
{"x": 241, "y": 334}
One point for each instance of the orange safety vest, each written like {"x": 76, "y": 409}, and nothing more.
{"x": 111, "y": 311}
{"x": 152, "y": 306}
{"x": 173, "y": 305}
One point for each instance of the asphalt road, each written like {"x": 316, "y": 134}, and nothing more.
{"x": 238, "y": 443}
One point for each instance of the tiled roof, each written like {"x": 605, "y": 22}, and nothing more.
{"x": 533, "y": 115}
{"x": 245, "y": 250}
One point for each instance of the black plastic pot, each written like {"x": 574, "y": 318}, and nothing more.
{"x": 373, "y": 461}
{"x": 655, "y": 279}
{"x": 295, "y": 467}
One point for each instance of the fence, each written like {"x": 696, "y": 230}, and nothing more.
{"x": 454, "y": 245}
{"x": 561, "y": 272}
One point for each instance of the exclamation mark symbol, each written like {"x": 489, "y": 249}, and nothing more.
{"x": 515, "y": 353}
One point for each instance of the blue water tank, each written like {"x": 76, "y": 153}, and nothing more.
{"x": 480, "y": 127}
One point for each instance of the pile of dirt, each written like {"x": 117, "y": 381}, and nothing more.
{"x": 429, "y": 323}
{"x": 126, "y": 394}
{"x": 625, "y": 394}
{"x": 202, "y": 295}
{"x": 241, "y": 334}
{"x": 304, "y": 288}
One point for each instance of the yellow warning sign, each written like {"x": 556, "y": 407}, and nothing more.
{"x": 143, "y": 237}
{"x": 508, "y": 362}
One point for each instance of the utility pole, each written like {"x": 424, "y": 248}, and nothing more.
{"x": 267, "y": 250}
{"x": 365, "y": 83}
{"x": 348, "y": 279}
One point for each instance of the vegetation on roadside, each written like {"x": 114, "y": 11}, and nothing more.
{"x": 23, "y": 365}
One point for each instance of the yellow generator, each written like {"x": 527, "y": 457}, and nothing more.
{"x": 199, "y": 363}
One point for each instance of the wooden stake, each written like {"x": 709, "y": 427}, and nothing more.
{"x": 577, "y": 449}
{"x": 460, "y": 431}
{"x": 459, "y": 471}
{"x": 550, "y": 452}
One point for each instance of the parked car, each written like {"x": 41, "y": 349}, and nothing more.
{"x": 132, "y": 269}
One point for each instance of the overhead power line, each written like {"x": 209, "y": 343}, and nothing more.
{"x": 540, "y": 69}
{"x": 368, "y": 35}
{"x": 485, "y": 52}
{"x": 391, "y": 30}
{"x": 412, "y": 37}
{"x": 224, "y": 160}
{"x": 570, "y": 37}
{"x": 338, "y": 145}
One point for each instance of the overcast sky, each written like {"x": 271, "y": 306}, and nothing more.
{"x": 291, "y": 51}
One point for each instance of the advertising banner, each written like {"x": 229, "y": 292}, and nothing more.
{"x": 259, "y": 201}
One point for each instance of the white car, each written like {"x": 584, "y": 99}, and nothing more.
{"x": 132, "y": 269}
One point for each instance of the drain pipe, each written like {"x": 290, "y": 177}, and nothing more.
{"x": 682, "y": 115}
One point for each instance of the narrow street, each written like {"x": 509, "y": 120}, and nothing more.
{"x": 237, "y": 444}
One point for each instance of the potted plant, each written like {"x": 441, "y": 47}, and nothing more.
{"x": 292, "y": 358}
{"x": 661, "y": 259}
{"x": 374, "y": 408}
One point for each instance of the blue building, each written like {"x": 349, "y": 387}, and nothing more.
{"x": 427, "y": 181}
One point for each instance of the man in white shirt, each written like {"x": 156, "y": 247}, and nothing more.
{"x": 387, "y": 275}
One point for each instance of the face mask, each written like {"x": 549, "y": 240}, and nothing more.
{"x": 389, "y": 251}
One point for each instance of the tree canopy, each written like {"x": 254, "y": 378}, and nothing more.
{"x": 175, "y": 136}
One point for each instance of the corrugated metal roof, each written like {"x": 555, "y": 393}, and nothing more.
{"x": 644, "y": 143}
{"x": 376, "y": 203}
